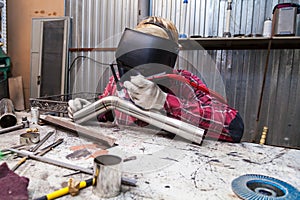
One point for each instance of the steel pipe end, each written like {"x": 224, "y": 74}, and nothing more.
{"x": 8, "y": 120}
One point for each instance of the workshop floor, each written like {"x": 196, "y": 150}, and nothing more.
{"x": 164, "y": 168}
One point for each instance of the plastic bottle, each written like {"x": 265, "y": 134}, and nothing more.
{"x": 183, "y": 20}
{"x": 267, "y": 30}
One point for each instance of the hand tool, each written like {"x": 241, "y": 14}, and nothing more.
{"x": 65, "y": 190}
{"x": 51, "y": 161}
{"x": 82, "y": 184}
{"x": 50, "y": 147}
{"x": 124, "y": 180}
{"x": 29, "y": 138}
{"x": 41, "y": 153}
{"x": 33, "y": 149}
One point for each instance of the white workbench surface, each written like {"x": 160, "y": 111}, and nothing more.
{"x": 164, "y": 168}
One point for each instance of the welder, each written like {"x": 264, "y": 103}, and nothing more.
{"x": 146, "y": 57}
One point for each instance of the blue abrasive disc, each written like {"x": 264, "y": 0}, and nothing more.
{"x": 260, "y": 187}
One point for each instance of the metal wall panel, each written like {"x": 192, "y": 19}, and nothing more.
{"x": 96, "y": 24}
{"x": 3, "y": 29}
{"x": 207, "y": 17}
{"x": 237, "y": 74}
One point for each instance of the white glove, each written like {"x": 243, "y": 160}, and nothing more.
{"x": 75, "y": 105}
{"x": 145, "y": 93}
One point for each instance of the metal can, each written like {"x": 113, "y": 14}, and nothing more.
{"x": 107, "y": 174}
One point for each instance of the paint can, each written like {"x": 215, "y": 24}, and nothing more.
{"x": 107, "y": 176}
{"x": 35, "y": 114}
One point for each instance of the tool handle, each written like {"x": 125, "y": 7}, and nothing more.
{"x": 21, "y": 161}
{"x": 65, "y": 190}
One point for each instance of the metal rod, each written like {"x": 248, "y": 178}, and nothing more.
{"x": 42, "y": 141}
{"x": 124, "y": 180}
{"x": 51, "y": 161}
{"x": 23, "y": 160}
{"x": 181, "y": 128}
{"x": 13, "y": 147}
{"x": 12, "y": 128}
{"x": 254, "y": 137}
{"x": 51, "y": 146}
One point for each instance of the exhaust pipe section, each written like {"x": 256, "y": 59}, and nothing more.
{"x": 180, "y": 128}
{"x": 7, "y": 113}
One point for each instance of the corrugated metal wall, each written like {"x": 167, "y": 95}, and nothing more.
{"x": 207, "y": 17}
{"x": 3, "y": 26}
{"x": 96, "y": 24}
{"x": 237, "y": 74}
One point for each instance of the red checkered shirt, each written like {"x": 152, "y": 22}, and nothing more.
{"x": 188, "y": 99}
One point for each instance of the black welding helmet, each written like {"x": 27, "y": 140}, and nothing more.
{"x": 145, "y": 54}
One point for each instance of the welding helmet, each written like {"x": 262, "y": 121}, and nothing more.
{"x": 145, "y": 54}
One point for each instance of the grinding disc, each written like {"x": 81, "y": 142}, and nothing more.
{"x": 259, "y": 187}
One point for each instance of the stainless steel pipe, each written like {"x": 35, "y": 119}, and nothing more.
{"x": 180, "y": 128}
{"x": 7, "y": 113}
{"x": 107, "y": 175}
{"x": 11, "y": 128}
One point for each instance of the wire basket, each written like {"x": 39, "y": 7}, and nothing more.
{"x": 58, "y": 104}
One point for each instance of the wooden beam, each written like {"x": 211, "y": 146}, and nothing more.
{"x": 15, "y": 85}
{"x": 80, "y": 130}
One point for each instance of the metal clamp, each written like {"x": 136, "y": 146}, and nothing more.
{"x": 29, "y": 138}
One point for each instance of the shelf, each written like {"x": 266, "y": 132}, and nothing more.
{"x": 220, "y": 43}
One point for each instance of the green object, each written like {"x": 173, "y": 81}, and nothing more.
{"x": 4, "y": 63}
{"x": 1, "y": 155}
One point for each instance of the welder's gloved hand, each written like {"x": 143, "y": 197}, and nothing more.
{"x": 145, "y": 93}
{"x": 75, "y": 105}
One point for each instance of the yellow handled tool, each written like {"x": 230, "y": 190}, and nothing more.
{"x": 66, "y": 190}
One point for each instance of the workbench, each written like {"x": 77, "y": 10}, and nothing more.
{"x": 164, "y": 168}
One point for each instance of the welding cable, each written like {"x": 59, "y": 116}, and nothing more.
{"x": 84, "y": 57}
{"x": 66, "y": 190}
